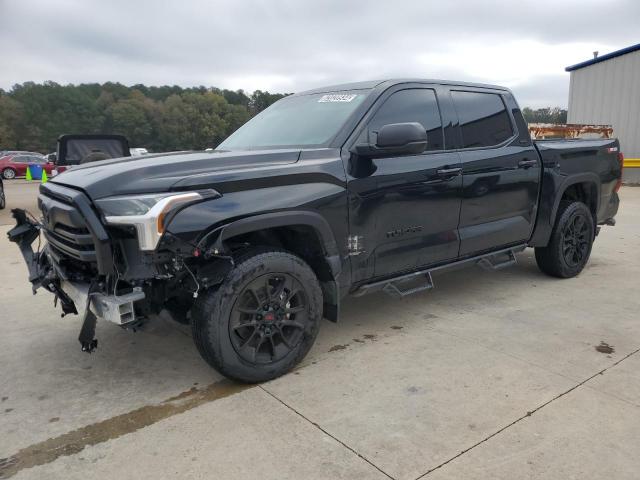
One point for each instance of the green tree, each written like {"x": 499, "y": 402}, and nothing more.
{"x": 237, "y": 97}
{"x": 555, "y": 115}
{"x": 50, "y": 110}
{"x": 162, "y": 118}
{"x": 260, "y": 100}
{"x": 11, "y": 123}
{"x": 173, "y": 130}
{"x": 134, "y": 118}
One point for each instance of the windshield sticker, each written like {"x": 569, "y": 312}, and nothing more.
{"x": 337, "y": 98}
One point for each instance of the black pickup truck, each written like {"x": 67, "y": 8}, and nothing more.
{"x": 342, "y": 190}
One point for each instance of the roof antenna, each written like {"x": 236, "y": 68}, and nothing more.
{"x": 595, "y": 54}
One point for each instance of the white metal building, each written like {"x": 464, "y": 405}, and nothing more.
{"x": 606, "y": 90}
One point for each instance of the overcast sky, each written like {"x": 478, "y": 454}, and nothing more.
{"x": 292, "y": 45}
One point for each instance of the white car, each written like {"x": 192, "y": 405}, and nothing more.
{"x": 136, "y": 152}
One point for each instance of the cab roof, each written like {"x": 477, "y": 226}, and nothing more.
{"x": 367, "y": 85}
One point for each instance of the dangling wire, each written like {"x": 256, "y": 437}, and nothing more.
{"x": 115, "y": 266}
{"x": 195, "y": 294}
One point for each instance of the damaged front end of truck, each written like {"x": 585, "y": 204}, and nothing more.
{"x": 111, "y": 260}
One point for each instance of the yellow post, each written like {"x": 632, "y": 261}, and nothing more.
{"x": 29, "y": 177}
{"x": 44, "y": 176}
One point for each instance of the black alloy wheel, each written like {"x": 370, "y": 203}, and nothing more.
{"x": 569, "y": 247}
{"x": 576, "y": 240}
{"x": 269, "y": 318}
{"x": 262, "y": 319}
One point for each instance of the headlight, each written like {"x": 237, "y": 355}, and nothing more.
{"x": 146, "y": 212}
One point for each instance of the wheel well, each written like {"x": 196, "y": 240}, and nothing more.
{"x": 305, "y": 242}
{"x": 585, "y": 192}
{"x": 301, "y": 240}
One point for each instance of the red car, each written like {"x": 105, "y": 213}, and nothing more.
{"x": 15, "y": 164}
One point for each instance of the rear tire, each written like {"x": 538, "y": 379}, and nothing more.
{"x": 9, "y": 173}
{"x": 570, "y": 244}
{"x": 262, "y": 320}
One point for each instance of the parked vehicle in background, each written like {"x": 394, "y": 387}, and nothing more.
{"x": 136, "y": 152}
{"x": 352, "y": 189}
{"x": 14, "y": 152}
{"x": 5, "y": 153}
{"x": 15, "y": 164}
{"x": 3, "y": 198}
{"x": 75, "y": 150}
{"x": 53, "y": 158}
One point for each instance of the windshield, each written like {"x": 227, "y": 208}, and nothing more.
{"x": 297, "y": 121}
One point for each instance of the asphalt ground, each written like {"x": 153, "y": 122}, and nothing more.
{"x": 501, "y": 375}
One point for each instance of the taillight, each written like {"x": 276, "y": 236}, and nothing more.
{"x": 619, "y": 182}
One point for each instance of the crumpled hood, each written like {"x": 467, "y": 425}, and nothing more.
{"x": 162, "y": 172}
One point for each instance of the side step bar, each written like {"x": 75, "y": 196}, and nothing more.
{"x": 393, "y": 286}
{"x": 497, "y": 262}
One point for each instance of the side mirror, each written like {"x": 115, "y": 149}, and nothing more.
{"x": 396, "y": 139}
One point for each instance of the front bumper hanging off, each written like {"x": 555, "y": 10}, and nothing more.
{"x": 86, "y": 298}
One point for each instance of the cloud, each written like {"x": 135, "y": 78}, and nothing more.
{"x": 292, "y": 45}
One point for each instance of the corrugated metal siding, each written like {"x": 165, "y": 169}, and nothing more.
{"x": 609, "y": 93}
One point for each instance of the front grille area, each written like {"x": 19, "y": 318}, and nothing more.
{"x": 74, "y": 242}
{"x": 76, "y": 238}
{"x": 65, "y": 230}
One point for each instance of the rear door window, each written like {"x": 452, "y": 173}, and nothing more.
{"x": 484, "y": 120}
{"x": 412, "y": 105}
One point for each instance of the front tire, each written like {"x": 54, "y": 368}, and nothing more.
{"x": 262, "y": 320}
{"x": 9, "y": 173}
{"x": 570, "y": 245}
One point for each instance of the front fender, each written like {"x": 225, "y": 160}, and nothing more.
{"x": 321, "y": 206}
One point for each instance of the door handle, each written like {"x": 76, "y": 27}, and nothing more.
{"x": 449, "y": 172}
{"x": 527, "y": 163}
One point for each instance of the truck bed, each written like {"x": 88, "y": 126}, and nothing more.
{"x": 592, "y": 167}
{"x": 576, "y": 155}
